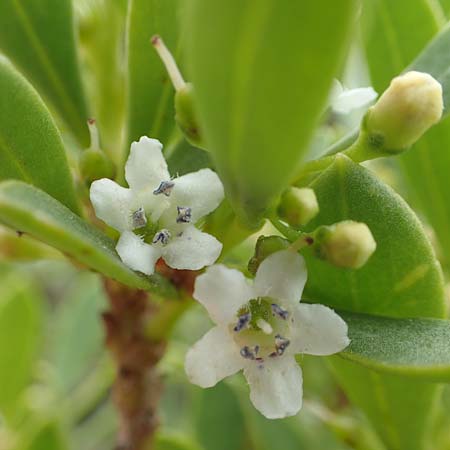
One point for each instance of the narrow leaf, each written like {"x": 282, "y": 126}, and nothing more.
{"x": 31, "y": 148}
{"x": 30, "y": 210}
{"x": 38, "y": 36}
{"x": 256, "y": 95}
{"x": 412, "y": 347}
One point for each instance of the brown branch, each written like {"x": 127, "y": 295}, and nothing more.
{"x": 137, "y": 388}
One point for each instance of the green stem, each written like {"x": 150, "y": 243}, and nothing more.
{"x": 289, "y": 233}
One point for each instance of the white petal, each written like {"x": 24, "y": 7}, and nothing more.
{"x": 317, "y": 330}
{"x": 282, "y": 276}
{"x": 222, "y": 291}
{"x": 336, "y": 90}
{"x": 192, "y": 250}
{"x": 112, "y": 203}
{"x": 136, "y": 254}
{"x": 212, "y": 358}
{"x": 353, "y": 99}
{"x": 201, "y": 191}
{"x": 275, "y": 387}
{"x": 146, "y": 166}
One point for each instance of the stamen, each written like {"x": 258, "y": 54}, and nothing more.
{"x": 169, "y": 62}
{"x": 243, "y": 321}
{"x": 247, "y": 353}
{"x": 138, "y": 219}
{"x": 265, "y": 326}
{"x": 184, "y": 214}
{"x": 164, "y": 188}
{"x": 279, "y": 311}
{"x": 281, "y": 344}
{"x": 162, "y": 236}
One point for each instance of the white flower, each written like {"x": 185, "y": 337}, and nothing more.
{"x": 156, "y": 215}
{"x": 260, "y": 326}
{"x": 343, "y": 101}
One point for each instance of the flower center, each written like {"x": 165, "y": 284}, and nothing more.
{"x": 154, "y": 232}
{"x": 260, "y": 330}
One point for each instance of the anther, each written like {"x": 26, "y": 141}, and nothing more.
{"x": 247, "y": 353}
{"x": 164, "y": 188}
{"x": 281, "y": 344}
{"x": 184, "y": 214}
{"x": 138, "y": 219}
{"x": 162, "y": 236}
{"x": 279, "y": 311}
{"x": 243, "y": 321}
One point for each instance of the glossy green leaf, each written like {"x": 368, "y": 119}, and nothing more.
{"x": 38, "y": 36}
{"x": 256, "y": 94}
{"x": 412, "y": 347}
{"x": 25, "y": 208}
{"x": 20, "y": 322}
{"x": 401, "y": 279}
{"x": 31, "y": 148}
{"x": 149, "y": 91}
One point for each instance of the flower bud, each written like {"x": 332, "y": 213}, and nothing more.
{"x": 406, "y": 110}
{"x": 184, "y": 105}
{"x": 265, "y": 246}
{"x": 298, "y": 206}
{"x": 345, "y": 244}
{"x": 94, "y": 163}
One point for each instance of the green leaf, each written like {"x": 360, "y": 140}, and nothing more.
{"x": 30, "y": 210}
{"x": 435, "y": 60}
{"x": 218, "y": 411}
{"x": 20, "y": 323}
{"x": 416, "y": 348}
{"x": 38, "y": 36}
{"x": 256, "y": 95}
{"x": 401, "y": 279}
{"x": 73, "y": 354}
{"x": 427, "y": 164}
{"x": 48, "y": 437}
{"x": 31, "y": 148}
{"x": 150, "y": 93}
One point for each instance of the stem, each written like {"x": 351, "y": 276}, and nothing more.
{"x": 285, "y": 230}
{"x": 169, "y": 62}
{"x": 137, "y": 388}
{"x": 93, "y": 131}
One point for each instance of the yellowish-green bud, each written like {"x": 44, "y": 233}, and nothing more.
{"x": 265, "y": 246}
{"x": 345, "y": 244}
{"x": 298, "y": 206}
{"x": 406, "y": 110}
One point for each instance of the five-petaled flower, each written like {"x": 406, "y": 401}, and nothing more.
{"x": 260, "y": 326}
{"x": 156, "y": 215}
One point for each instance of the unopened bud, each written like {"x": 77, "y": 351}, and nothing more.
{"x": 184, "y": 104}
{"x": 94, "y": 163}
{"x": 298, "y": 206}
{"x": 345, "y": 244}
{"x": 406, "y": 110}
{"x": 265, "y": 246}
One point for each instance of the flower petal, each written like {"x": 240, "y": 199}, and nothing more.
{"x": 192, "y": 250}
{"x": 317, "y": 330}
{"x": 136, "y": 254}
{"x": 275, "y": 387}
{"x": 212, "y": 358}
{"x": 146, "y": 166}
{"x": 202, "y": 191}
{"x": 111, "y": 203}
{"x": 352, "y": 99}
{"x": 222, "y": 291}
{"x": 282, "y": 276}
